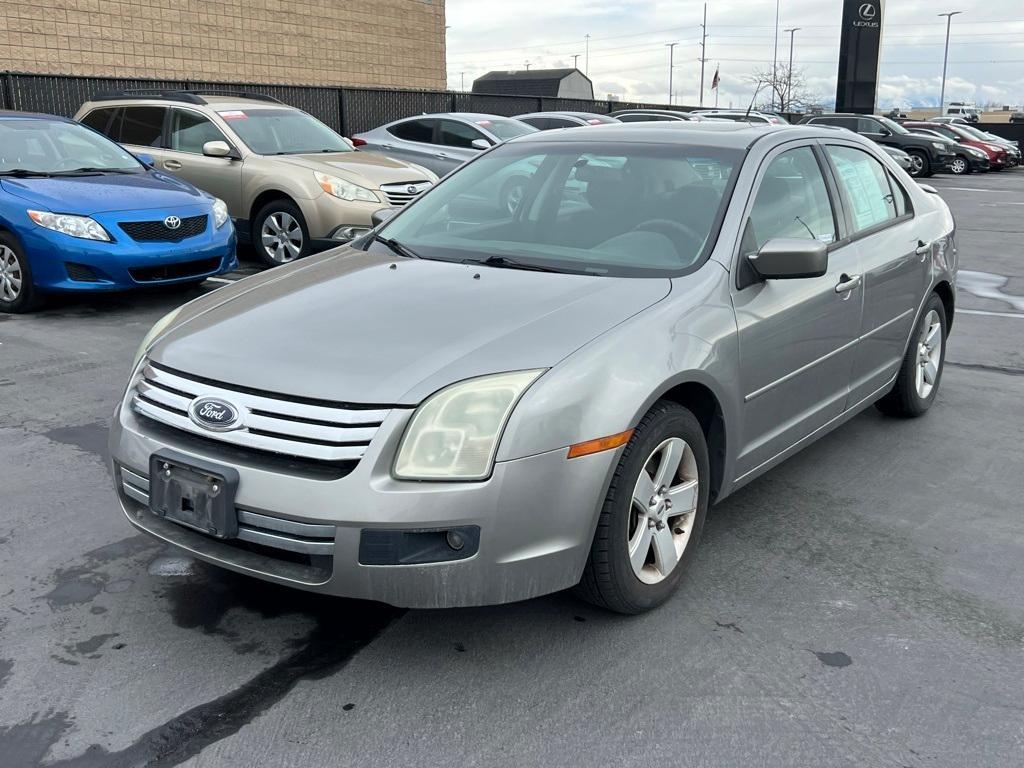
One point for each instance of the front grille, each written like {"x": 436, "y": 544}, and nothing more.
{"x": 81, "y": 273}
{"x": 269, "y": 423}
{"x": 400, "y": 194}
{"x": 158, "y": 231}
{"x": 177, "y": 271}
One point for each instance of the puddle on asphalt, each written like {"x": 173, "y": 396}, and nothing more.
{"x": 986, "y": 285}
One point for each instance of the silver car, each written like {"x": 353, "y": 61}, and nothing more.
{"x": 441, "y": 142}
{"x": 547, "y": 396}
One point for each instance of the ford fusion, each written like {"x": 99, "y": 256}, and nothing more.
{"x": 480, "y": 402}
{"x": 80, "y": 213}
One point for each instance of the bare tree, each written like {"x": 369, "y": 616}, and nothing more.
{"x": 787, "y": 90}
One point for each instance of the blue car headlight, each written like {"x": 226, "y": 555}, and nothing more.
{"x": 73, "y": 226}
{"x": 220, "y": 212}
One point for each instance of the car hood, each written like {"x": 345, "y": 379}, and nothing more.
{"x": 360, "y": 167}
{"x": 349, "y": 326}
{"x": 88, "y": 195}
{"x": 926, "y": 137}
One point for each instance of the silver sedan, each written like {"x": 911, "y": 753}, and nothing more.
{"x": 480, "y": 403}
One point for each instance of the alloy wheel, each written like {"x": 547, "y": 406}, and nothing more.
{"x": 281, "y": 235}
{"x": 664, "y": 506}
{"x": 916, "y": 165}
{"x": 958, "y": 166}
{"x": 929, "y": 355}
{"x": 514, "y": 197}
{"x": 10, "y": 274}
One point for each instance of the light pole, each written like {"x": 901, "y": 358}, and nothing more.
{"x": 586, "y": 59}
{"x": 671, "y": 63}
{"x": 527, "y": 65}
{"x": 788, "y": 106}
{"x": 463, "y": 76}
{"x": 703, "y": 51}
{"x": 945, "y": 58}
{"x": 775, "y": 56}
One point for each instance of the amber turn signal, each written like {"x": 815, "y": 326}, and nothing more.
{"x": 600, "y": 444}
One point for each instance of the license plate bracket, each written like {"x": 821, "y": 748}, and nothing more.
{"x": 194, "y": 493}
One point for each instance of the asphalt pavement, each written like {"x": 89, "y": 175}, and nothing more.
{"x": 860, "y": 605}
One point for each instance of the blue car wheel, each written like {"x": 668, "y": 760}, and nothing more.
{"x": 17, "y": 294}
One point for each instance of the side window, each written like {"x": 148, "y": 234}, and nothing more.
{"x": 866, "y": 185}
{"x": 414, "y": 130}
{"x": 456, "y": 134}
{"x": 540, "y": 123}
{"x": 100, "y": 119}
{"x": 866, "y": 125}
{"x": 792, "y": 201}
{"x": 142, "y": 126}
{"x": 189, "y": 131}
{"x": 561, "y": 122}
{"x": 641, "y": 118}
{"x": 900, "y": 197}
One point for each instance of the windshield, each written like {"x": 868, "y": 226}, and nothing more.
{"x": 892, "y": 125}
{"x": 283, "y": 131}
{"x": 506, "y": 129}
{"x": 54, "y": 147}
{"x": 974, "y": 133}
{"x": 594, "y": 208}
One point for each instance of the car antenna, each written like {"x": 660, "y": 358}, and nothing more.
{"x": 752, "y": 98}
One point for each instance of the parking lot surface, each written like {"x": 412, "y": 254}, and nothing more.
{"x": 860, "y": 605}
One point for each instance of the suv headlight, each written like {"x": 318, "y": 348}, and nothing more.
{"x": 938, "y": 145}
{"x": 220, "y": 212}
{"x": 975, "y": 151}
{"x": 345, "y": 190}
{"x": 454, "y": 433}
{"x": 74, "y": 226}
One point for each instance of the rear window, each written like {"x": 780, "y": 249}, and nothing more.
{"x": 142, "y": 126}
{"x": 99, "y": 119}
{"x": 506, "y": 129}
{"x": 414, "y": 130}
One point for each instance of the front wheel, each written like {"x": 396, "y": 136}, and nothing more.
{"x": 17, "y": 293}
{"x": 917, "y": 383}
{"x": 919, "y": 165}
{"x": 959, "y": 165}
{"x": 279, "y": 233}
{"x": 652, "y": 518}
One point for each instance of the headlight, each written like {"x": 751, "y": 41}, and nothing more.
{"x": 220, "y": 212}
{"x": 938, "y": 145}
{"x": 74, "y": 226}
{"x": 158, "y": 327}
{"x": 345, "y": 190}
{"x": 974, "y": 151}
{"x": 454, "y": 433}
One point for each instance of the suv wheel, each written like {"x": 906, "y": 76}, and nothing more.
{"x": 17, "y": 294}
{"x": 279, "y": 233}
{"x": 959, "y": 165}
{"x": 652, "y": 517}
{"x": 919, "y": 165}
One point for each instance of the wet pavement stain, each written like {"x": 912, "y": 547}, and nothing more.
{"x": 342, "y": 628}
{"x": 6, "y": 665}
{"x": 26, "y": 744}
{"x": 89, "y": 647}
{"x": 91, "y": 438}
{"x": 729, "y": 625}
{"x": 986, "y": 285}
{"x": 833, "y": 658}
{"x": 81, "y": 583}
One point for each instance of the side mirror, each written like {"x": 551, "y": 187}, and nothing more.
{"x": 787, "y": 258}
{"x": 217, "y": 149}
{"x": 384, "y": 214}
{"x": 146, "y": 160}
{"x": 884, "y": 132}
{"x": 481, "y": 144}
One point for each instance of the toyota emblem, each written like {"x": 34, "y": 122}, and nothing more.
{"x": 172, "y": 222}
{"x": 868, "y": 11}
{"x": 411, "y": 189}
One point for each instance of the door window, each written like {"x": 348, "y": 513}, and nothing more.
{"x": 792, "y": 201}
{"x": 100, "y": 119}
{"x": 561, "y": 122}
{"x": 866, "y": 185}
{"x": 142, "y": 126}
{"x": 540, "y": 123}
{"x": 190, "y": 131}
{"x": 866, "y": 125}
{"x": 414, "y": 130}
{"x": 456, "y": 134}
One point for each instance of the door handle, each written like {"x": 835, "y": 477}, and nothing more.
{"x": 847, "y": 283}
{"x": 923, "y": 249}
{"x": 172, "y": 165}
{"x": 387, "y": 146}
{"x": 441, "y": 155}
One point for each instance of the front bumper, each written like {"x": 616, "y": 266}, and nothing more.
{"x": 536, "y": 518}
{"x": 942, "y": 160}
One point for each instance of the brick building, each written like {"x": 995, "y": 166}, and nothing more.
{"x": 391, "y": 43}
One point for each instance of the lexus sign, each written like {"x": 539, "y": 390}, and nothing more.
{"x": 858, "y": 55}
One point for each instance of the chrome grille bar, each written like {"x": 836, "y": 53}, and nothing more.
{"x": 400, "y": 194}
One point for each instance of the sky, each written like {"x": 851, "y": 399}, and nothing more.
{"x": 629, "y": 56}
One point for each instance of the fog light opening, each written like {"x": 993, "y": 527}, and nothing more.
{"x": 454, "y": 540}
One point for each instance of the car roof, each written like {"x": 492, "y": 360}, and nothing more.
{"x": 198, "y": 98}
{"x": 6, "y": 114}
{"x": 724, "y": 135}
{"x": 468, "y": 117}
{"x": 560, "y": 113}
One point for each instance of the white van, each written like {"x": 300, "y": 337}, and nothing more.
{"x": 967, "y": 112}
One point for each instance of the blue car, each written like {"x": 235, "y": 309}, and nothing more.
{"x": 80, "y": 213}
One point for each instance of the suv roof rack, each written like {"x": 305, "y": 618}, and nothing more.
{"x": 186, "y": 96}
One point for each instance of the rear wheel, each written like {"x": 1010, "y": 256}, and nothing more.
{"x": 917, "y": 383}
{"x": 653, "y": 515}
{"x": 17, "y": 293}
{"x": 919, "y": 165}
{"x": 279, "y": 233}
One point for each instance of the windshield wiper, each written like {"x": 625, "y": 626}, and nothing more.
{"x": 24, "y": 173}
{"x": 506, "y": 263}
{"x": 397, "y": 247}
{"x": 90, "y": 169}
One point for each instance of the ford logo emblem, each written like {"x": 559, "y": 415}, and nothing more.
{"x": 172, "y": 222}
{"x": 214, "y": 414}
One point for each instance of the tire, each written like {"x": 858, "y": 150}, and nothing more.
{"x": 17, "y": 292}
{"x": 610, "y": 578}
{"x": 287, "y": 237}
{"x": 915, "y": 391}
{"x": 960, "y": 166}
{"x": 920, "y": 167}
{"x": 512, "y": 194}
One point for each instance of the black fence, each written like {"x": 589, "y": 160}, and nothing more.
{"x": 347, "y": 110}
